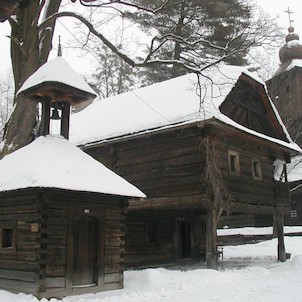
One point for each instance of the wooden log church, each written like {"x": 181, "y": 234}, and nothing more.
{"x": 199, "y": 150}
{"x": 285, "y": 89}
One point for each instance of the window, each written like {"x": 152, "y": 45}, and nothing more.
{"x": 293, "y": 214}
{"x": 7, "y": 235}
{"x": 234, "y": 164}
{"x": 256, "y": 169}
{"x": 151, "y": 231}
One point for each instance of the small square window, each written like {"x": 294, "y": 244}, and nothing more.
{"x": 256, "y": 169}
{"x": 234, "y": 163}
{"x": 7, "y": 238}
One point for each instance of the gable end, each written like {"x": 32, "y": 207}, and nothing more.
{"x": 248, "y": 105}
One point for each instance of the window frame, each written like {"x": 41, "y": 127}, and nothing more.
{"x": 234, "y": 162}
{"x": 12, "y": 237}
{"x": 256, "y": 168}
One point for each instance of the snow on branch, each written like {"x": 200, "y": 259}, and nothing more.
{"x": 188, "y": 62}
{"x": 165, "y": 5}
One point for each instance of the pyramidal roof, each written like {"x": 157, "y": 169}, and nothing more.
{"x": 53, "y": 162}
{"x": 56, "y": 70}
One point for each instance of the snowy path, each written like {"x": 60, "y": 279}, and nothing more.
{"x": 264, "y": 280}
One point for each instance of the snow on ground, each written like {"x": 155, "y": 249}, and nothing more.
{"x": 248, "y": 273}
{"x": 257, "y": 231}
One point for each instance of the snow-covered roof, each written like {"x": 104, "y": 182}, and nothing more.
{"x": 287, "y": 66}
{"x": 53, "y": 162}
{"x": 56, "y": 70}
{"x": 165, "y": 104}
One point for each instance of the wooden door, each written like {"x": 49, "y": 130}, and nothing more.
{"x": 85, "y": 251}
{"x": 184, "y": 239}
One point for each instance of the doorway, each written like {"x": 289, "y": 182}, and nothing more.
{"x": 184, "y": 239}
{"x": 85, "y": 251}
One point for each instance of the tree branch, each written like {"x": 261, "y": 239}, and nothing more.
{"x": 166, "y": 4}
{"x": 92, "y": 30}
{"x": 191, "y": 63}
{"x": 38, "y": 13}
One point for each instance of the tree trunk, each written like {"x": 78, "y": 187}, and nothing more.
{"x": 178, "y": 32}
{"x": 211, "y": 239}
{"x": 30, "y": 47}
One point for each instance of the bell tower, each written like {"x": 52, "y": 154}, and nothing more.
{"x": 56, "y": 86}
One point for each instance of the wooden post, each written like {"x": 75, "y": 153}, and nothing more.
{"x": 65, "y": 120}
{"x": 211, "y": 239}
{"x": 280, "y": 235}
{"x": 45, "y": 118}
{"x": 275, "y": 232}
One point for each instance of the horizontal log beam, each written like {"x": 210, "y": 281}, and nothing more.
{"x": 170, "y": 203}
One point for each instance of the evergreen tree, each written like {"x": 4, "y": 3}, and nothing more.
{"x": 195, "y": 30}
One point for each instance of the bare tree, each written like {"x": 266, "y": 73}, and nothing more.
{"x": 219, "y": 196}
{"x": 30, "y": 47}
{"x": 32, "y": 33}
{"x": 112, "y": 76}
{"x": 6, "y": 98}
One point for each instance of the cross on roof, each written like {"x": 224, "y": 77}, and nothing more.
{"x": 289, "y": 13}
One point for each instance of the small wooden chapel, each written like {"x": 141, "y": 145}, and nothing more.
{"x": 62, "y": 213}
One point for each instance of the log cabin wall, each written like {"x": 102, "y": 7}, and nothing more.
{"x": 67, "y": 215}
{"x": 252, "y": 193}
{"x": 164, "y": 166}
{"x": 44, "y": 259}
{"x": 20, "y": 243}
{"x": 161, "y": 165}
{"x": 171, "y": 165}
{"x": 163, "y": 238}
{"x": 169, "y": 168}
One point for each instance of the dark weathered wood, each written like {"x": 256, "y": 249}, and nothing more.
{"x": 18, "y": 275}
{"x": 169, "y": 244}
{"x": 169, "y": 168}
{"x": 280, "y": 236}
{"x": 65, "y": 120}
{"x": 211, "y": 239}
{"x": 45, "y": 123}
{"x": 250, "y": 111}
{"x": 85, "y": 247}
{"x": 44, "y": 260}
{"x": 179, "y": 202}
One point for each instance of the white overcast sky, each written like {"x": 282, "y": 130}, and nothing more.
{"x": 276, "y": 8}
